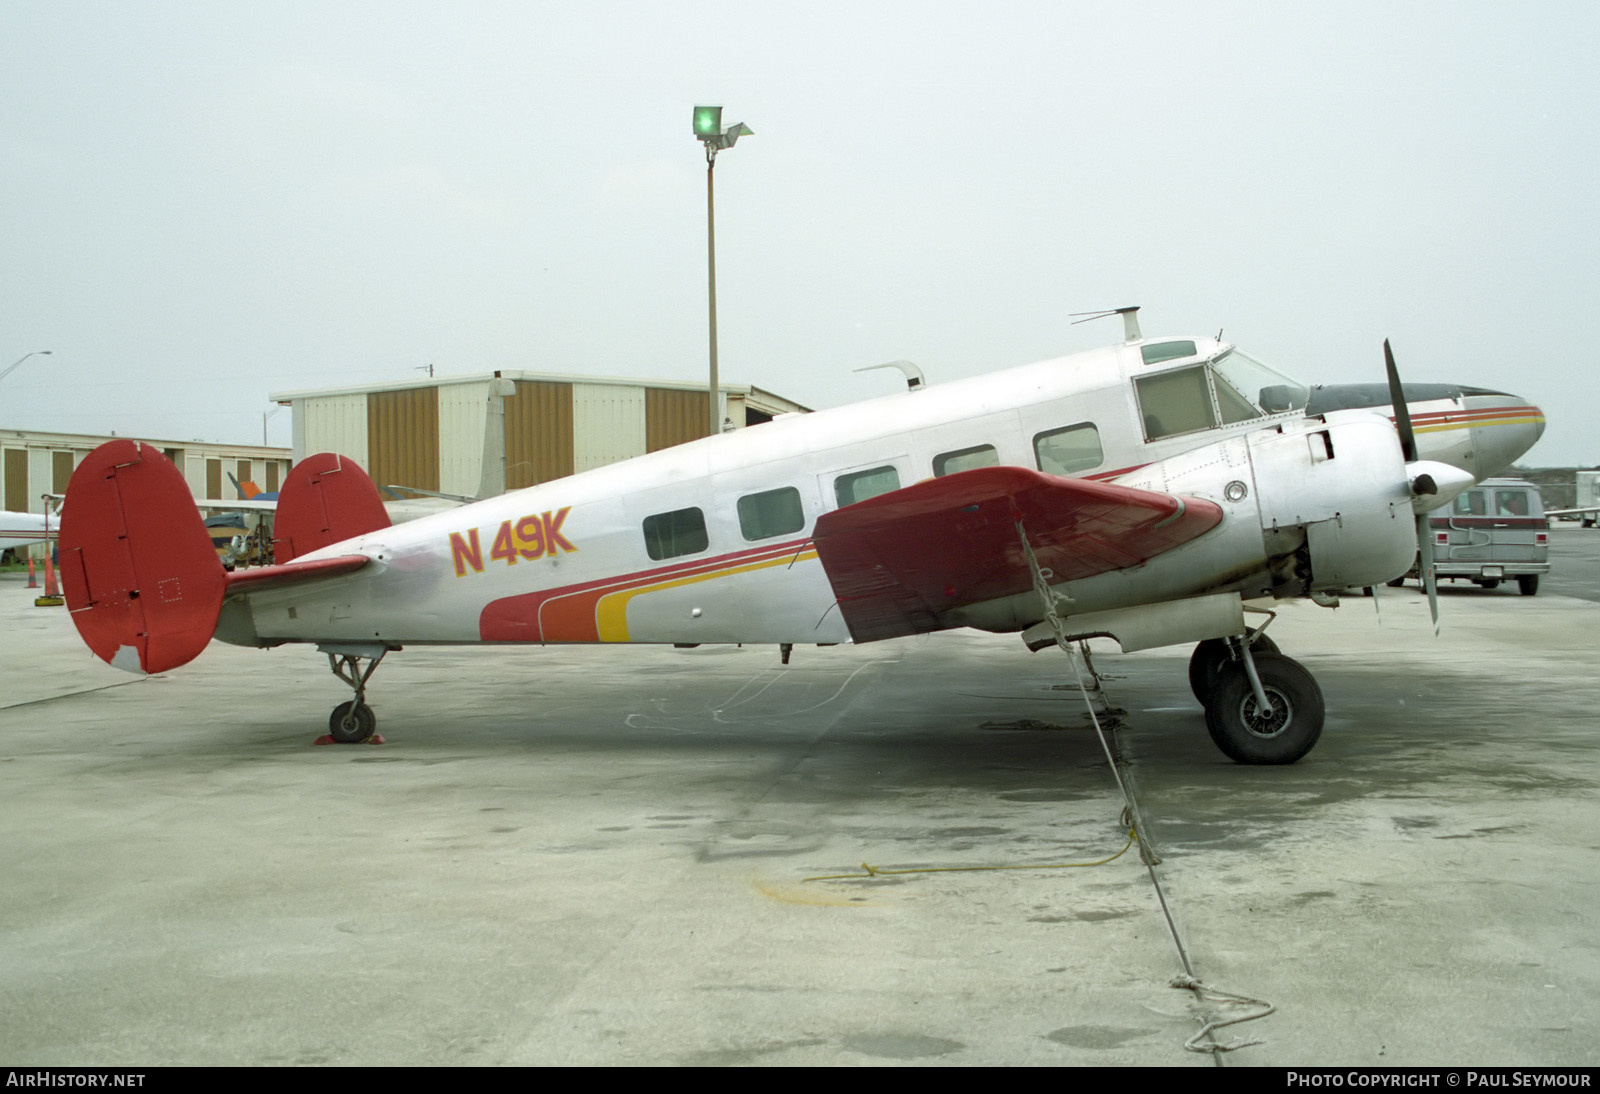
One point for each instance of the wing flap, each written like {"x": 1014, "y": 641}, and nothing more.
{"x": 899, "y": 561}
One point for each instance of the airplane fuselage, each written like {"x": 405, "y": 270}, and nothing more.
{"x": 712, "y": 541}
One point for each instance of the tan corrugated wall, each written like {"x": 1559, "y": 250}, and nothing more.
{"x": 60, "y": 471}
{"x": 673, "y": 417}
{"x": 403, "y": 437}
{"x": 538, "y": 433}
{"x": 17, "y": 480}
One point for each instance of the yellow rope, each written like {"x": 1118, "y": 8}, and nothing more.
{"x": 875, "y": 871}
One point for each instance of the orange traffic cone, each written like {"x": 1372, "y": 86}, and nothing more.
{"x": 52, "y": 595}
{"x": 33, "y": 582}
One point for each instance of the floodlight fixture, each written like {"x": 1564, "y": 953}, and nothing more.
{"x": 707, "y": 122}
{"x": 709, "y": 131}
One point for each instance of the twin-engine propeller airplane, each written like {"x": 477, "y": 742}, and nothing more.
{"x": 1144, "y": 492}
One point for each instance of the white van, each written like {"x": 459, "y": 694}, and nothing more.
{"x": 1490, "y": 533}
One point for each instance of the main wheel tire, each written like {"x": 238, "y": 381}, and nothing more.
{"x": 1244, "y": 732}
{"x": 351, "y": 723}
{"x": 1529, "y": 584}
{"x": 1209, "y": 657}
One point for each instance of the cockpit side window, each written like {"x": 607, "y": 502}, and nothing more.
{"x": 1175, "y": 402}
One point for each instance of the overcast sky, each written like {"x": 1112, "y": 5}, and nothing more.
{"x": 203, "y": 202}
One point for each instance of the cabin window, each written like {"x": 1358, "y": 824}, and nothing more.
{"x": 861, "y": 485}
{"x": 1175, "y": 402}
{"x": 1068, "y": 451}
{"x": 772, "y": 513}
{"x": 965, "y": 459}
{"x": 1469, "y": 504}
{"x": 680, "y": 532}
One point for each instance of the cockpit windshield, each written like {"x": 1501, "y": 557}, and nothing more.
{"x": 1228, "y": 388}
{"x": 1258, "y": 384}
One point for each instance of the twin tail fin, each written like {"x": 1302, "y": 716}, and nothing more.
{"x": 140, "y": 575}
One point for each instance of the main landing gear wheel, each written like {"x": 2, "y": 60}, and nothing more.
{"x": 351, "y": 723}
{"x": 1209, "y": 657}
{"x": 1248, "y": 734}
{"x": 354, "y": 721}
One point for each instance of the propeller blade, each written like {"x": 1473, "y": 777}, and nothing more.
{"x": 1402, "y": 413}
{"x": 1430, "y": 580}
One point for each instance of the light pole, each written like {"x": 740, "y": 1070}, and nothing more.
{"x": 708, "y": 129}
{"x": 19, "y": 360}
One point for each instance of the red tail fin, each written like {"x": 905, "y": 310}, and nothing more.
{"x": 326, "y": 499}
{"x": 141, "y": 578}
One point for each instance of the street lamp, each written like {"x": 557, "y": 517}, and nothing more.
{"x": 264, "y": 416}
{"x": 709, "y": 131}
{"x": 19, "y": 360}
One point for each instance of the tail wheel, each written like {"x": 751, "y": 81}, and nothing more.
{"x": 1246, "y": 732}
{"x": 1210, "y": 656}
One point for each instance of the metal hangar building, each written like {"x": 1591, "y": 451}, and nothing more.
{"x": 432, "y": 434}
{"x": 35, "y": 462}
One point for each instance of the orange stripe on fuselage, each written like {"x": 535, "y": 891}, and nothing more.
{"x": 569, "y": 613}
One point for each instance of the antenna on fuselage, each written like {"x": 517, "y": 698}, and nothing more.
{"x": 1130, "y": 320}
{"x": 914, "y": 380}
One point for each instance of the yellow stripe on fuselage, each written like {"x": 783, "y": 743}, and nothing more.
{"x": 1522, "y": 419}
{"x": 611, "y": 613}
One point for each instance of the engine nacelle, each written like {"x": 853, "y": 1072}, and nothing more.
{"x": 1345, "y": 487}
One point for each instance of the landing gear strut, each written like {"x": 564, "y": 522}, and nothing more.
{"x": 1261, "y": 707}
{"x": 353, "y": 722}
{"x": 1210, "y": 656}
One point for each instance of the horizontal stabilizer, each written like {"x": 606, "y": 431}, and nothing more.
{"x": 898, "y": 561}
{"x": 326, "y": 499}
{"x": 261, "y": 578}
{"x": 138, "y": 570}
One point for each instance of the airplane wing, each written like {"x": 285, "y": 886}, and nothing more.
{"x": 238, "y": 505}
{"x": 1579, "y": 511}
{"x": 898, "y": 561}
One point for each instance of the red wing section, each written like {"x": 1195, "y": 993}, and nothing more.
{"x": 897, "y": 562}
{"x": 326, "y": 499}
{"x": 138, "y": 570}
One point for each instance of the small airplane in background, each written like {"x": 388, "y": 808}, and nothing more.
{"x": 1146, "y": 492}
{"x": 249, "y": 491}
{"x": 21, "y": 529}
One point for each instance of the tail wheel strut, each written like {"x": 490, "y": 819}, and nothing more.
{"x": 354, "y": 721}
